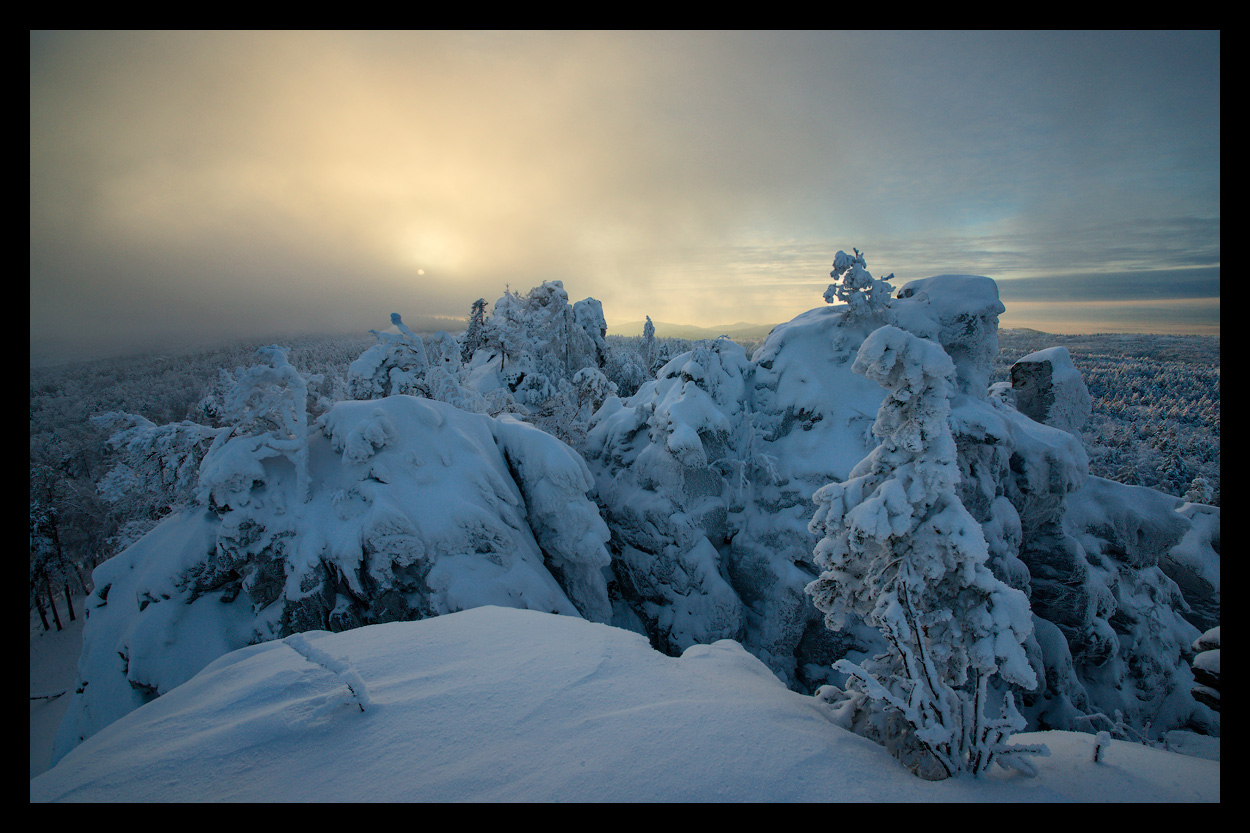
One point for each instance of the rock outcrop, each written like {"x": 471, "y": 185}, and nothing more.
{"x": 1207, "y": 668}
{"x": 1049, "y": 389}
{"x": 416, "y": 509}
{"x": 1110, "y": 572}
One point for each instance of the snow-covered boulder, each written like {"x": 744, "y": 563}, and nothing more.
{"x": 416, "y": 509}
{"x": 1049, "y": 389}
{"x": 960, "y": 312}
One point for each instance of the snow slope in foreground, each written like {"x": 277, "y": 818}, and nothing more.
{"x": 495, "y": 704}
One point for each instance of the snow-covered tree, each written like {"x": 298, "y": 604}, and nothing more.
{"x": 665, "y": 450}
{"x": 648, "y": 342}
{"x": 50, "y": 569}
{"x": 475, "y": 333}
{"x": 158, "y": 465}
{"x": 592, "y": 388}
{"x": 156, "y": 470}
{"x": 626, "y": 368}
{"x": 1199, "y": 491}
{"x": 662, "y": 357}
{"x": 255, "y": 479}
{"x": 395, "y": 365}
{"x": 899, "y": 550}
{"x": 854, "y": 285}
{"x": 533, "y": 346}
{"x": 268, "y": 412}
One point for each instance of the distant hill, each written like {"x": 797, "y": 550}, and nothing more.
{"x": 664, "y": 329}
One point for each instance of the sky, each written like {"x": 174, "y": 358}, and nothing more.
{"x": 199, "y": 187}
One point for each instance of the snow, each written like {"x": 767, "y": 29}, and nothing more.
{"x": 406, "y": 508}
{"x": 1209, "y": 661}
{"x": 726, "y": 454}
{"x": 53, "y": 669}
{"x": 436, "y": 509}
{"x": 496, "y": 704}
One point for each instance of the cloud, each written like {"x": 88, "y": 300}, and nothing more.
{"x": 1159, "y": 285}
{"x": 202, "y": 183}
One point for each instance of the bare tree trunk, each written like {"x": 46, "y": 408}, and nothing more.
{"x": 69, "y": 602}
{"x": 56, "y": 617}
{"x": 43, "y": 613}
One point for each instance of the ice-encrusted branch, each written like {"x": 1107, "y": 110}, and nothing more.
{"x": 343, "y": 670}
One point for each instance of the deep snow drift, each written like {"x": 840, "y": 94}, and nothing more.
{"x": 495, "y": 704}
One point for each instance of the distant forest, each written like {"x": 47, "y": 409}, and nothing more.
{"x": 1155, "y": 422}
{"x": 1156, "y": 414}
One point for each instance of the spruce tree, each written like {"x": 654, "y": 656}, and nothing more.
{"x": 898, "y": 549}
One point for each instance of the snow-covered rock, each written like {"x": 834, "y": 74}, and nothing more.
{"x": 416, "y": 509}
{"x": 1049, "y": 389}
{"x": 1207, "y": 668}
{"x": 403, "y": 508}
{"x": 687, "y": 471}
{"x": 960, "y": 312}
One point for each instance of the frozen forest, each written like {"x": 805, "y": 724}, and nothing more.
{"x": 942, "y": 533}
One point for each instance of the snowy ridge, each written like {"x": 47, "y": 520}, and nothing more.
{"x": 501, "y": 705}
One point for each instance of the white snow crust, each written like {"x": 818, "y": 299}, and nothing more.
{"x": 505, "y": 705}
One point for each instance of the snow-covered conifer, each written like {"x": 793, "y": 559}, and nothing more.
{"x": 395, "y": 365}
{"x": 592, "y": 389}
{"x": 899, "y": 550}
{"x": 475, "y": 333}
{"x": 1199, "y": 491}
{"x": 854, "y": 285}
{"x": 268, "y": 411}
{"x": 157, "y": 465}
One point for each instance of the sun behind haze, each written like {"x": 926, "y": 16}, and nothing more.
{"x": 190, "y": 186}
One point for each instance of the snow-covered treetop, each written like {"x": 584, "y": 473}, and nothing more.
{"x": 395, "y": 365}
{"x": 533, "y": 343}
{"x": 854, "y": 285}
